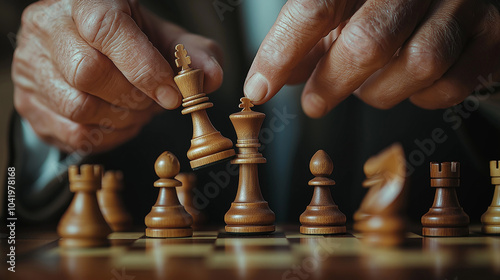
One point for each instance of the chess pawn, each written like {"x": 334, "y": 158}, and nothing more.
{"x": 83, "y": 224}
{"x": 111, "y": 204}
{"x": 491, "y": 218}
{"x": 445, "y": 217}
{"x": 168, "y": 218}
{"x": 322, "y": 215}
{"x": 208, "y": 146}
{"x": 186, "y": 197}
{"x": 249, "y": 213}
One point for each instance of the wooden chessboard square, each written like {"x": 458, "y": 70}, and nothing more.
{"x": 272, "y": 260}
{"x": 235, "y": 242}
{"x": 226, "y": 235}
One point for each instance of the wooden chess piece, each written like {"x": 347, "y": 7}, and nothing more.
{"x": 110, "y": 202}
{"x": 208, "y": 146}
{"x": 186, "y": 197}
{"x": 384, "y": 223}
{"x": 445, "y": 217}
{"x": 83, "y": 224}
{"x": 491, "y": 218}
{"x": 249, "y": 213}
{"x": 168, "y": 218}
{"x": 322, "y": 215}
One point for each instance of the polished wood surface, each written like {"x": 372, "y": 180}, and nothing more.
{"x": 491, "y": 218}
{"x": 384, "y": 223}
{"x": 286, "y": 254}
{"x": 322, "y": 215}
{"x": 110, "y": 202}
{"x": 83, "y": 225}
{"x": 249, "y": 213}
{"x": 168, "y": 218}
{"x": 446, "y": 217}
{"x": 208, "y": 146}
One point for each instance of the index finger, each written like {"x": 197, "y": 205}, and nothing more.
{"x": 299, "y": 26}
{"x": 107, "y": 26}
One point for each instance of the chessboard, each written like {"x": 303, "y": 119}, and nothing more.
{"x": 284, "y": 254}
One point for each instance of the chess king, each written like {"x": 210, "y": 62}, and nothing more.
{"x": 208, "y": 146}
{"x": 249, "y": 213}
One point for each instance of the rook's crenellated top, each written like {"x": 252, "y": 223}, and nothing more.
{"x": 445, "y": 169}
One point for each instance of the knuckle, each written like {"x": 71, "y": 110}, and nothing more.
{"x": 79, "y": 107}
{"x": 365, "y": 47}
{"x": 98, "y": 25}
{"x": 85, "y": 69}
{"x": 423, "y": 64}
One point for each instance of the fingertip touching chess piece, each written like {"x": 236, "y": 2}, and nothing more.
{"x": 208, "y": 146}
{"x": 186, "y": 197}
{"x": 83, "y": 224}
{"x": 110, "y": 202}
{"x": 384, "y": 223}
{"x": 322, "y": 215}
{"x": 249, "y": 213}
{"x": 446, "y": 217}
{"x": 168, "y": 218}
{"x": 491, "y": 218}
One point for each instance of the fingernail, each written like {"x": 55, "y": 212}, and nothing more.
{"x": 314, "y": 105}
{"x": 167, "y": 96}
{"x": 256, "y": 87}
{"x": 216, "y": 62}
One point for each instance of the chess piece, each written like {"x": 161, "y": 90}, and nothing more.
{"x": 491, "y": 218}
{"x": 322, "y": 215}
{"x": 249, "y": 213}
{"x": 168, "y": 218}
{"x": 445, "y": 217}
{"x": 110, "y": 202}
{"x": 83, "y": 224}
{"x": 186, "y": 197}
{"x": 384, "y": 222}
{"x": 208, "y": 146}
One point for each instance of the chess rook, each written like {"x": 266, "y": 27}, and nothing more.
{"x": 249, "y": 213}
{"x": 491, "y": 218}
{"x": 322, "y": 215}
{"x": 208, "y": 146}
{"x": 110, "y": 202}
{"x": 168, "y": 218}
{"x": 445, "y": 217}
{"x": 83, "y": 224}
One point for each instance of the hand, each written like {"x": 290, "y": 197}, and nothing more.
{"x": 385, "y": 51}
{"x": 89, "y": 74}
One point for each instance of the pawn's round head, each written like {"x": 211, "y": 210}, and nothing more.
{"x": 167, "y": 165}
{"x": 321, "y": 164}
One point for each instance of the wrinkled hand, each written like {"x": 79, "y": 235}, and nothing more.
{"x": 85, "y": 67}
{"x": 385, "y": 51}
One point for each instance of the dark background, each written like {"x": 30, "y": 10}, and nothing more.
{"x": 350, "y": 134}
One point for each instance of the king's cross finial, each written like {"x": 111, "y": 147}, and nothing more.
{"x": 183, "y": 60}
{"x": 246, "y": 104}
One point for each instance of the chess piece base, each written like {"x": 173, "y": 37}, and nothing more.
{"x": 169, "y": 232}
{"x": 83, "y": 242}
{"x": 250, "y": 229}
{"x": 323, "y": 230}
{"x": 491, "y": 229}
{"x": 212, "y": 159}
{"x": 445, "y": 231}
